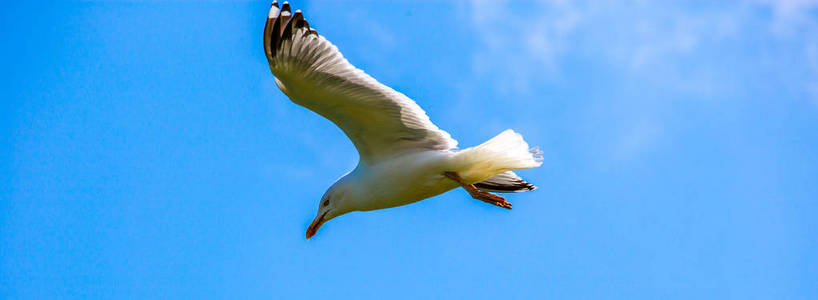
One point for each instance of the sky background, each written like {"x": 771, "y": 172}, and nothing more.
{"x": 147, "y": 153}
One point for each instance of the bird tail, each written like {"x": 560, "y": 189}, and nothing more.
{"x": 505, "y": 152}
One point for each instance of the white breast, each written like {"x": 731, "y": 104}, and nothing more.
{"x": 402, "y": 180}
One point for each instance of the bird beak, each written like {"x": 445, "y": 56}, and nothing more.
{"x": 319, "y": 220}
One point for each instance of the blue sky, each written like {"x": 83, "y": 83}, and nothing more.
{"x": 147, "y": 152}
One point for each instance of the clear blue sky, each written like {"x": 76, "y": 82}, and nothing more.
{"x": 146, "y": 152}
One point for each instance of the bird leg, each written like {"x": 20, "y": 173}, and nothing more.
{"x": 477, "y": 193}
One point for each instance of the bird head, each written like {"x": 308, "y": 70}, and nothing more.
{"x": 332, "y": 204}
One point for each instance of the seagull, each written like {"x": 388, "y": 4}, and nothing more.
{"x": 404, "y": 157}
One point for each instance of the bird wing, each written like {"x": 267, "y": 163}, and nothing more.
{"x": 506, "y": 182}
{"x": 380, "y": 121}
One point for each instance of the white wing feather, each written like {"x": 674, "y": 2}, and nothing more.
{"x": 380, "y": 121}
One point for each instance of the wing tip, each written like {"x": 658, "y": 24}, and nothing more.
{"x": 274, "y": 10}
{"x": 280, "y": 26}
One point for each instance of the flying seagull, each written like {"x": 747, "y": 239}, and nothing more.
{"x": 404, "y": 157}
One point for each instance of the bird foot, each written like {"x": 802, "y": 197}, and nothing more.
{"x": 478, "y": 194}
{"x": 487, "y": 197}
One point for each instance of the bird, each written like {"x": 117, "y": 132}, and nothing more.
{"x": 403, "y": 156}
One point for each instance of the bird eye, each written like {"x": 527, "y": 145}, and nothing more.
{"x": 326, "y": 202}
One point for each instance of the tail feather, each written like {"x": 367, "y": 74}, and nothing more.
{"x": 505, "y": 152}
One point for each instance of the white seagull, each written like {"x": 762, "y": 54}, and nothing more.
{"x": 404, "y": 157}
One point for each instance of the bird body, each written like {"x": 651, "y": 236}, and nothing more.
{"x": 402, "y": 180}
{"x": 404, "y": 157}
{"x": 418, "y": 175}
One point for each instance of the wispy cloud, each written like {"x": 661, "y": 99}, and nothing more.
{"x": 521, "y": 47}
{"x": 701, "y": 51}
{"x": 640, "y": 38}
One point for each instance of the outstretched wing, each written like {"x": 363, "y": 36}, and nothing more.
{"x": 380, "y": 121}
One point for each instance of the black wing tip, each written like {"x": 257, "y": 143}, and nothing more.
{"x": 280, "y": 26}
{"x": 299, "y": 21}
{"x": 516, "y": 187}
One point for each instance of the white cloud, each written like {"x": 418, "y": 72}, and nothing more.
{"x": 791, "y": 12}
{"x": 528, "y": 42}
{"x": 701, "y": 49}
{"x": 512, "y": 43}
